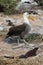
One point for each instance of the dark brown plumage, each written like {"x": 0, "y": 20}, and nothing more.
{"x": 30, "y": 53}
{"x": 10, "y": 23}
{"x": 16, "y": 30}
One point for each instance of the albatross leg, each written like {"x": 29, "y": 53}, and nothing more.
{"x": 26, "y": 43}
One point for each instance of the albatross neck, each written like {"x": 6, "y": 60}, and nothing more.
{"x": 26, "y": 20}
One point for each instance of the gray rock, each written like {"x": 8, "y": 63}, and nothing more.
{"x": 26, "y": 0}
{"x": 23, "y": 6}
{"x": 1, "y": 27}
{"x": 26, "y": 5}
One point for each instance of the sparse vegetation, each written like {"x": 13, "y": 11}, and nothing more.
{"x": 34, "y": 37}
{"x": 8, "y": 6}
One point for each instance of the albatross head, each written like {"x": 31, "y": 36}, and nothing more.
{"x": 26, "y": 20}
{"x": 26, "y": 14}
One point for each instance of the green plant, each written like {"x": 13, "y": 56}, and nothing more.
{"x": 8, "y": 5}
{"x": 33, "y": 37}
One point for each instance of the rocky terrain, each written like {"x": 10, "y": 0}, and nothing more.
{"x": 10, "y": 52}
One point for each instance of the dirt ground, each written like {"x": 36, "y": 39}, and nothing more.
{"x": 7, "y": 49}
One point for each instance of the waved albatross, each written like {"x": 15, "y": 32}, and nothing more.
{"x": 20, "y": 30}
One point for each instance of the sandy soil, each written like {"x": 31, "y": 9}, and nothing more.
{"x": 7, "y": 49}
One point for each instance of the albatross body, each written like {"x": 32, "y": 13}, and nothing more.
{"x": 20, "y": 30}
